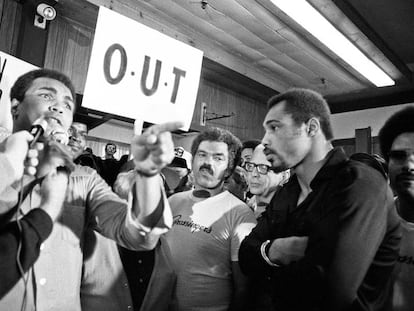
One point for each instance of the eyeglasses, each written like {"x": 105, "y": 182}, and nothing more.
{"x": 261, "y": 168}
{"x": 400, "y": 155}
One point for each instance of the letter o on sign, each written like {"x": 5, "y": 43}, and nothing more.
{"x": 107, "y": 63}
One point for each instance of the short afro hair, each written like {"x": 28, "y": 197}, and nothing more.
{"x": 400, "y": 122}
{"x": 23, "y": 83}
{"x": 216, "y": 134}
{"x": 250, "y": 144}
{"x": 303, "y": 104}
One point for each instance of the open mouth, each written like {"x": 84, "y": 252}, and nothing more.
{"x": 53, "y": 120}
{"x": 206, "y": 171}
{"x": 74, "y": 145}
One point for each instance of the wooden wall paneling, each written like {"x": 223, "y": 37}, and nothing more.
{"x": 348, "y": 144}
{"x": 376, "y": 146}
{"x": 69, "y": 48}
{"x": 363, "y": 142}
{"x": 248, "y": 114}
{"x": 10, "y": 17}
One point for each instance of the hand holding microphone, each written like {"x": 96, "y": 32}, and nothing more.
{"x": 55, "y": 153}
{"x": 54, "y": 163}
{"x": 16, "y": 149}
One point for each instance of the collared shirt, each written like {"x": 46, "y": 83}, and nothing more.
{"x": 54, "y": 281}
{"x": 138, "y": 267}
{"x": 354, "y": 236}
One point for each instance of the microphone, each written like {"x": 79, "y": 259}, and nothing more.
{"x": 61, "y": 137}
{"x": 37, "y": 130}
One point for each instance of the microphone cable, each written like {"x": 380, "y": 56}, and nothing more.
{"x": 19, "y": 248}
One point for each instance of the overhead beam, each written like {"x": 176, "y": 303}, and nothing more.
{"x": 371, "y": 98}
{"x": 372, "y": 35}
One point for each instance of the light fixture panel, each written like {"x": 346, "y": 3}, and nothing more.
{"x": 316, "y": 24}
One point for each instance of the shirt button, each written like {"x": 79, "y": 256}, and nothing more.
{"x": 125, "y": 284}
{"x": 140, "y": 280}
{"x": 42, "y": 281}
{"x": 139, "y": 261}
{"x": 129, "y": 308}
{"x": 42, "y": 246}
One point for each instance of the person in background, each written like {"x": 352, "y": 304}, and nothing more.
{"x": 329, "y": 239}
{"x": 77, "y": 142}
{"x": 110, "y": 167}
{"x": 53, "y": 283}
{"x": 176, "y": 174}
{"x": 263, "y": 184}
{"x": 247, "y": 150}
{"x": 396, "y": 139}
{"x": 110, "y": 150}
{"x": 262, "y": 180}
{"x": 236, "y": 184}
{"x": 20, "y": 240}
{"x": 209, "y": 225}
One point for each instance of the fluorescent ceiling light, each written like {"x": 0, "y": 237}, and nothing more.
{"x": 309, "y": 18}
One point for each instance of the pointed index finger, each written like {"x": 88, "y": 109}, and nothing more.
{"x": 165, "y": 127}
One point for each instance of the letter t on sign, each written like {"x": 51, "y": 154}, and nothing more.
{"x": 203, "y": 114}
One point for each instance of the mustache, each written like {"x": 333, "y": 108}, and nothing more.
{"x": 405, "y": 175}
{"x": 267, "y": 151}
{"x": 207, "y": 167}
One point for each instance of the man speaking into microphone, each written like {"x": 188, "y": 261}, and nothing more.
{"x": 54, "y": 281}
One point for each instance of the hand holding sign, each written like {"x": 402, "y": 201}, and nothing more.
{"x": 154, "y": 149}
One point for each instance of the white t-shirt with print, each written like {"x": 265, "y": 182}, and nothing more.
{"x": 204, "y": 240}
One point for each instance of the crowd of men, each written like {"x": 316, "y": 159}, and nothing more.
{"x": 285, "y": 223}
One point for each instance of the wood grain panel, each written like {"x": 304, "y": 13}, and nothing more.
{"x": 10, "y": 17}
{"x": 248, "y": 114}
{"x": 68, "y": 49}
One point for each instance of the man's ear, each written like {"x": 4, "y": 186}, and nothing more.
{"x": 15, "y": 108}
{"x": 313, "y": 126}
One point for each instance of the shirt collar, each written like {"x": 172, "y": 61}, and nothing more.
{"x": 334, "y": 159}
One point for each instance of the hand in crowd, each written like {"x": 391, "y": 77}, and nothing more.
{"x": 287, "y": 250}
{"x": 154, "y": 149}
{"x": 16, "y": 149}
{"x": 53, "y": 192}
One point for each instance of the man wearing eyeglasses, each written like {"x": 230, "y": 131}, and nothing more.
{"x": 329, "y": 239}
{"x": 262, "y": 180}
{"x": 397, "y": 146}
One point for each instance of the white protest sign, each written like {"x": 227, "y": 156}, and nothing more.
{"x": 10, "y": 69}
{"x": 138, "y": 72}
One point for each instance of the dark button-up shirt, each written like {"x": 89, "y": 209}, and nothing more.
{"x": 354, "y": 237}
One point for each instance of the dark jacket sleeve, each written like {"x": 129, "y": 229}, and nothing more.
{"x": 347, "y": 227}
{"x": 250, "y": 260}
{"x": 36, "y": 227}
